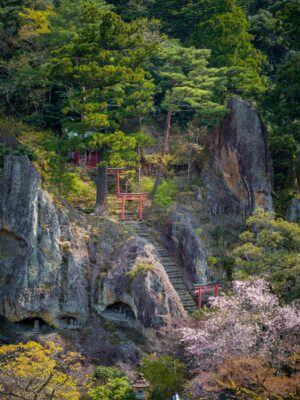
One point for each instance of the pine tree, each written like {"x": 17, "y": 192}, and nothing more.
{"x": 188, "y": 86}
{"x": 224, "y": 29}
{"x": 99, "y": 65}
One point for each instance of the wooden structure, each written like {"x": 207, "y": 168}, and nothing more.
{"x": 90, "y": 159}
{"x": 117, "y": 172}
{"x": 213, "y": 288}
{"x": 132, "y": 197}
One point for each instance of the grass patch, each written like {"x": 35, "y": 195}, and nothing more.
{"x": 166, "y": 194}
{"x": 140, "y": 268}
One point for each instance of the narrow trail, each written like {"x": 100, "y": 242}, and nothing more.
{"x": 173, "y": 270}
{"x": 145, "y": 231}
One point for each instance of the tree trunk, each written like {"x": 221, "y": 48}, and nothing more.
{"x": 101, "y": 198}
{"x": 165, "y": 149}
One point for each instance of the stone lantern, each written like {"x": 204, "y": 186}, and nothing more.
{"x": 140, "y": 387}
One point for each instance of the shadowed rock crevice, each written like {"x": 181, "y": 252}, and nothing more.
{"x": 68, "y": 322}
{"x": 11, "y": 245}
{"x": 119, "y": 310}
{"x": 33, "y": 325}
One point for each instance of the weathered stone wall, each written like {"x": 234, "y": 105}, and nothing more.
{"x": 60, "y": 269}
{"x": 238, "y": 178}
{"x": 190, "y": 248}
{"x": 44, "y": 263}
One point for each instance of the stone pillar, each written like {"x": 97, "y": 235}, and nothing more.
{"x": 36, "y": 326}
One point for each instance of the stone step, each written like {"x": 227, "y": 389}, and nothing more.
{"x": 171, "y": 267}
{"x": 172, "y": 270}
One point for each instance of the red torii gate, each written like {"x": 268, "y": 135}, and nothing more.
{"x": 132, "y": 197}
{"x": 117, "y": 172}
{"x": 92, "y": 160}
{"x": 212, "y": 287}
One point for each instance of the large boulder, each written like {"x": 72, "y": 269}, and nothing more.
{"x": 65, "y": 269}
{"x": 139, "y": 284}
{"x": 43, "y": 259}
{"x": 185, "y": 241}
{"x": 239, "y": 177}
{"x": 293, "y": 211}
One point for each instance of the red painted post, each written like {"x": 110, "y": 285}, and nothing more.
{"x": 118, "y": 182}
{"x": 141, "y": 207}
{"x": 123, "y": 208}
{"x": 199, "y": 298}
{"x": 77, "y": 158}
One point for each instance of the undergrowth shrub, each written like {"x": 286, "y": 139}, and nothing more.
{"x": 166, "y": 194}
{"x": 140, "y": 268}
{"x": 50, "y": 157}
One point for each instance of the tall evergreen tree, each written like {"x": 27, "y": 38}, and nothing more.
{"x": 224, "y": 30}
{"x": 99, "y": 65}
{"x": 187, "y": 85}
{"x": 283, "y": 111}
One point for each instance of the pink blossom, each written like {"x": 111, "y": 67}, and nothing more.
{"x": 250, "y": 322}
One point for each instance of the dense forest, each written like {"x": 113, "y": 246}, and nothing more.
{"x": 144, "y": 86}
{"x": 152, "y": 58}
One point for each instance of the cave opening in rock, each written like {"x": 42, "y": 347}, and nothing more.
{"x": 34, "y": 325}
{"x": 69, "y": 322}
{"x": 120, "y": 309}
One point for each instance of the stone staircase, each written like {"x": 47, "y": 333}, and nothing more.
{"x": 143, "y": 230}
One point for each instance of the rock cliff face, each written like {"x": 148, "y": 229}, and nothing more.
{"x": 43, "y": 261}
{"x": 188, "y": 245}
{"x": 67, "y": 270}
{"x": 150, "y": 296}
{"x": 238, "y": 178}
{"x": 293, "y": 211}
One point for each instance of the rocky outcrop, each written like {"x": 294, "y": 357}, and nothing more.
{"x": 138, "y": 280}
{"x": 43, "y": 258}
{"x": 187, "y": 244}
{"x": 293, "y": 212}
{"x": 238, "y": 178}
{"x": 64, "y": 269}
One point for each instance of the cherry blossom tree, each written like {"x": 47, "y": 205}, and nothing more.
{"x": 250, "y": 322}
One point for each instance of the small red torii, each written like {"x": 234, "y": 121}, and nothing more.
{"x": 91, "y": 160}
{"x": 212, "y": 287}
{"x": 117, "y": 172}
{"x": 132, "y": 197}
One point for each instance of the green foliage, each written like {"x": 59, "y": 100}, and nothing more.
{"x": 100, "y": 48}
{"x": 289, "y": 16}
{"x": 224, "y": 30}
{"x": 132, "y": 9}
{"x": 10, "y": 23}
{"x": 20, "y": 150}
{"x": 166, "y": 193}
{"x": 109, "y": 383}
{"x": 146, "y": 184}
{"x": 270, "y": 247}
{"x": 103, "y": 374}
{"x": 203, "y": 313}
{"x": 87, "y": 69}
{"x": 140, "y": 268}
{"x": 166, "y": 375}
{"x": 283, "y": 112}
{"x": 50, "y": 157}
{"x": 186, "y": 81}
